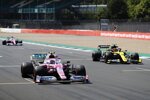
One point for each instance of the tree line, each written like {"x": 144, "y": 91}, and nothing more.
{"x": 124, "y": 9}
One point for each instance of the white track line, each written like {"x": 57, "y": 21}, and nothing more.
{"x": 28, "y": 80}
{"x": 137, "y": 70}
{"x": 9, "y": 66}
{"x": 143, "y": 69}
{"x": 60, "y": 47}
{"x": 16, "y": 83}
{"x": 147, "y": 58}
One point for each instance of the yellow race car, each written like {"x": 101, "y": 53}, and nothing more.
{"x": 113, "y": 54}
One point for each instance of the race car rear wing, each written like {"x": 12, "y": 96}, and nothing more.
{"x": 104, "y": 46}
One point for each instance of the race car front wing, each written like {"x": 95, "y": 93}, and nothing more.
{"x": 53, "y": 79}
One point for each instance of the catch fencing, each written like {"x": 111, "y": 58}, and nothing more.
{"x": 109, "y": 25}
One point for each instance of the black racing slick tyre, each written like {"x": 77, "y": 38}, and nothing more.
{"x": 26, "y": 69}
{"x": 95, "y": 59}
{"x": 4, "y": 42}
{"x": 96, "y": 56}
{"x": 108, "y": 56}
{"x": 135, "y": 56}
{"x": 19, "y": 42}
{"x": 106, "y": 59}
{"x": 40, "y": 70}
{"x": 80, "y": 70}
{"x": 34, "y": 76}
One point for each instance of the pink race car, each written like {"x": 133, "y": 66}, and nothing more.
{"x": 12, "y": 41}
{"x": 43, "y": 69}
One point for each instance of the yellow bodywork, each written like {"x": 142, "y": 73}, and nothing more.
{"x": 124, "y": 59}
{"x": 140, "y": 60}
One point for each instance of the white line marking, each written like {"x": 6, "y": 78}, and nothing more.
{"x": 17, "y": 83}
{"x": 1, "y": 56}
{"x": 28, "y": 80}
{"x": 9, "y": 66}
{"x": 143, "y": 69}
{"x": 62, "y": 47}
{"x": 143, "y": 57}
{"x": 146, "y": 58}
{"x": 136, "y": 70}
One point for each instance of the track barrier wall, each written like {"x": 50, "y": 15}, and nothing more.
{"x": 10, "y": 30}
{"x": 131, "y": 35}
{"x": 68, "y": 32}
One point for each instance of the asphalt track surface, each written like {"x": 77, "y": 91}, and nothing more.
{"x": 108, "y": 82}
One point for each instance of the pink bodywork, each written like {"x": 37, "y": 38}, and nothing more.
{"x": 55, "y": 63}
{"x": 13, "y": 41}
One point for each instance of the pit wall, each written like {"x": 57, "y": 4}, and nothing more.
{"x": 132, "y": 35}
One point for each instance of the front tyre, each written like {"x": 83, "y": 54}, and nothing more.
{"x": 96, "y": 56}
{"x": 80, "y": 70}
{"x": 135, "y": 58}
{"x": 39, "y": 71}
{"x": 26, "y": 69}
{"x": 34, "y": 76}
{"x": 4, "y": 42}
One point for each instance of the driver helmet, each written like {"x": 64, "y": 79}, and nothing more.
{"x": 51, "y": 55}
{"x": 114, "y": 46}
{"x": 119, "y": 49}
{"x": 114, "y": 49}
